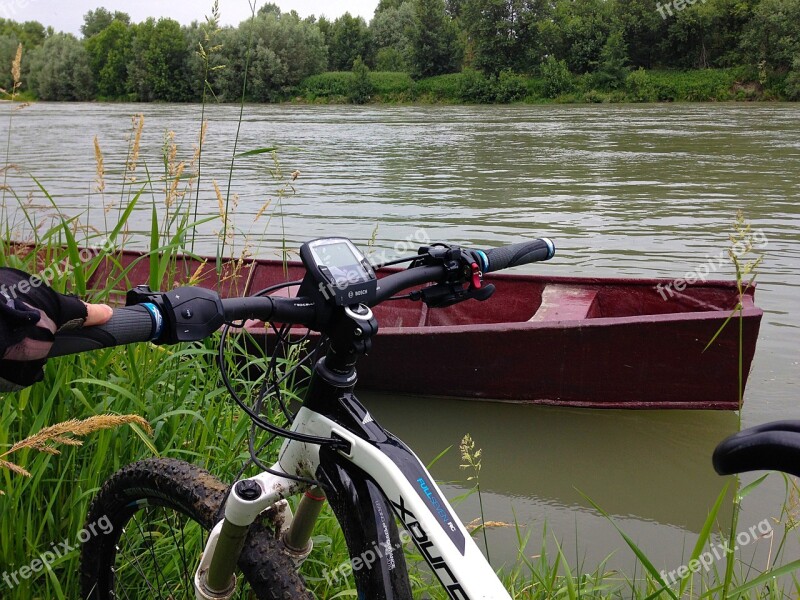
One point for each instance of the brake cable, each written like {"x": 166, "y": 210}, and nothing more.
{"x": 270, "y": 385}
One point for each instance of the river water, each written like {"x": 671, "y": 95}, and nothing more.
{"x": 639, "y": 191}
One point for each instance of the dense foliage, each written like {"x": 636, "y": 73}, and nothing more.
{"x": 600, "y": 44}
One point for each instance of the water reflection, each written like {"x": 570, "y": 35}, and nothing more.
{"x": 651, "y": 465}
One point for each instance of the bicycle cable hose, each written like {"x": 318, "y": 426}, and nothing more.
{"x": 269, "y": 397}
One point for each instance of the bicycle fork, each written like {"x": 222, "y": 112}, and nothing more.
{"x": 264, "y": 493}
{"x": 215, "y": 577}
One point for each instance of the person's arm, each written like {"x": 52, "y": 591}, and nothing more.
{"x": 30, "y": 314}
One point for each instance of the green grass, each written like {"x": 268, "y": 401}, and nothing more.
{"x": 442, "y": 88}
{"x": 332, "y": 86}
{"x": 169, "y": 387}
{"x": 695, "y": 86}
{"x": 391, "y": 83}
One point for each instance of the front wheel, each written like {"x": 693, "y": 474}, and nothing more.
{"x": 146, "y": 531}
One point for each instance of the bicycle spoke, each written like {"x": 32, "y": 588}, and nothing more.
{"x": 125, "y": 591}
{"x": 182, "y": 553}
{"x": 136, "y": 565}
{"x": 158, "y": 543}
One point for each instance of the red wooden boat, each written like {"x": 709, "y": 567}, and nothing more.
{"x": 567, "y": 341}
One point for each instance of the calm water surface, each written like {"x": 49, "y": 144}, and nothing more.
{"x": 641, "y": 191}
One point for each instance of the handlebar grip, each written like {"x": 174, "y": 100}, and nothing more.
{"x": 522, "y": 253}
{"x": 769, "y": 447}
{"x": 126, "y": 326}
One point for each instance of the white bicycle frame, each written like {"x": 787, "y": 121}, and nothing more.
{"x": 412, "y": 493}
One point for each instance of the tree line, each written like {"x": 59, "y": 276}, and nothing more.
{"x": 604, "y": 40}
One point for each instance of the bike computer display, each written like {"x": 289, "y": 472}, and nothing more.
{"x": 339, "y": 270}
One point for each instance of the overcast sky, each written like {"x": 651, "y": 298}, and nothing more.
{"x": 67, "y": 15}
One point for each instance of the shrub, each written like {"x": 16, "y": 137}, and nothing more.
{"x": 595, "y": 97}
{"x": 694, "y": 86}
{"x": 391, "y": 83}
{"x": 510, "y": 87}
{"x": 640, "y": 87}
{"x": 793, "y": 80}
{"x": 557, "y": 77}
{"x": 360, "y": 85}
{"x": 334, "y": 83}
{"x": 535, "y": 87}
{"x": 439, "y": 87}
{"x": 476, "y": 87}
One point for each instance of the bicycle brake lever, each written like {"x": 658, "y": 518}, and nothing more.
{"x": 444, "y": 295}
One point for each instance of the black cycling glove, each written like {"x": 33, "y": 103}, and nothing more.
{"x": 30, "y": 314}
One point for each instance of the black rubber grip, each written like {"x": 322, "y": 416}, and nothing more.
{"x": 768, "y": 447}
{"x": 127, "y": 325}
{"x": 519, "y": 254}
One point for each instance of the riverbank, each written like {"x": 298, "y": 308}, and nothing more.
{"x": 737, "y": 84}
{"x": 472, "y": 87}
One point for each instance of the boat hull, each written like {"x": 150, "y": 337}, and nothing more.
{"x": 600, "y": 343}
{"x": 638, "y": 363}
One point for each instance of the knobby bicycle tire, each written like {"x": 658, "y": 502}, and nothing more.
{"x": 111, "y": 559}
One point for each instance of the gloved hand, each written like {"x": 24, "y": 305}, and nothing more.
{"x": 30, "y": 314}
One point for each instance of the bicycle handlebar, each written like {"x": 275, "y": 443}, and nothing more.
{"x": 144, "y": 322}
{"x": 396, "y": 282}
{"x": 297, "y": 311}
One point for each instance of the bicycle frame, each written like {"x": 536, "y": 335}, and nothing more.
{"x": 377, "y": 474}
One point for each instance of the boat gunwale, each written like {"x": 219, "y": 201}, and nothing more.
{"x": 695, "y": 316}
{"x": 527, "y": 277}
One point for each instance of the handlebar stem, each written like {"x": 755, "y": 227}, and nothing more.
{"x": 351, "y": 336}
